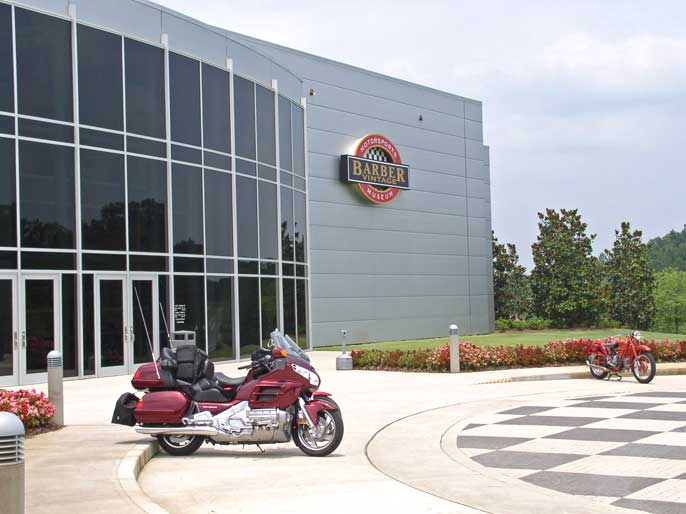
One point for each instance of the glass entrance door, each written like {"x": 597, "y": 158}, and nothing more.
{"x": 9, "y": 332}
{"x": 40, "y": 330}
{"x": 111, "y": 329}
{"x": 144, "y": 315}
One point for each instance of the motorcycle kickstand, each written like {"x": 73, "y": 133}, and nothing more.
{"x": 260, "y": 448}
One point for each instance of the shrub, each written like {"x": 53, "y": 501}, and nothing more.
{"x": 33, "y": 408}
{"x": 522, "y": 324}
{"x": 475, "y": 358}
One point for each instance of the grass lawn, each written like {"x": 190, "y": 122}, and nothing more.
{"x": 527, "y": 338}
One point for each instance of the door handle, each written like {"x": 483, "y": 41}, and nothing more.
{"x": 126, "y": 334}
{"x": 23, "y": 339}
{"x": 133, "y": 336}
{"x": 16, "y": 340}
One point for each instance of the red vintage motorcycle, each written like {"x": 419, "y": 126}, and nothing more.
{"x": 613, "y": 357}
{"x": 186, "y": 403}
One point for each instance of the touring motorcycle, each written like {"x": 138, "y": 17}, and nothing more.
{"x": 617, "y": 355}
{"x": 185, "y": 403}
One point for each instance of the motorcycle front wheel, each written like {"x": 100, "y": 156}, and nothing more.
{"x": 324, "y": 438}
{"x": 180, "y": 445}
{"x": 644, "y": 367}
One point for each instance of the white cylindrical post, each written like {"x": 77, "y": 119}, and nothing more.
{"x": 11, "y": 464}
{"x": 56, "y": 386}
{"x": 344, "y": 361}
{"x": 453, "y": 331}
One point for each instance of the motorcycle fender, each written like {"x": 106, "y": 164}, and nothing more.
{"x": 314, "y": 407}
{"x": 642, "y": 348}
{"x": 320, "y": 393}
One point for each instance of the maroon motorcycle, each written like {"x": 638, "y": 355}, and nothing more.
{"x": 186, "y": 403}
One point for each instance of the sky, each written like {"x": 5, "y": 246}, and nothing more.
{"x": 584, "y": 101}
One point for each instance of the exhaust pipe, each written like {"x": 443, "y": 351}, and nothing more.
{"x": 188, "y": 430}
{"x": 596, "y": 367}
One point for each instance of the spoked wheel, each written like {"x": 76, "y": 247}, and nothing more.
{"x": 593, "y": 359}
{"x": 324, "y": 437}
{"x": 644, "y": 367}
{"x": 180, "y": 445}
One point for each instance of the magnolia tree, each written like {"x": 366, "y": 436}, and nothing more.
{"x": 511, "y": 290}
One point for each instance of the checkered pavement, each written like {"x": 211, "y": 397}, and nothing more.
{"x": 625, "y": 450}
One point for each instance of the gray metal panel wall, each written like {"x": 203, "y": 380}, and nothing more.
{"x": 409, "y": 268}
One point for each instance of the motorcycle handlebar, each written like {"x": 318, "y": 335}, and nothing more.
{"x": 245, "y": 367}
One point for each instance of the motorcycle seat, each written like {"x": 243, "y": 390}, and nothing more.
{"x": 610, "y": 346}
{"x": 225, "y": 381}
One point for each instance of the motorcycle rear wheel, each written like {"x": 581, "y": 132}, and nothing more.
{"x": 596, "y": 373}
{"x": 180, "y": 445}
{"x": 644, "y": 367}
{"x": 330, "y": 425}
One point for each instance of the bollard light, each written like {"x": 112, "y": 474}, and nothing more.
{"x": 453, "y": 332}
{"x": 344, "y": 361}
{"x": 56, "y": 385}
{"x": 11, "y": 464}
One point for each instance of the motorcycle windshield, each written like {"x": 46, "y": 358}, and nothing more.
{"x": 286, "y": 343}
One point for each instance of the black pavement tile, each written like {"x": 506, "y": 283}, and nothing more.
{"x": 652, "y": 506}
{"x": 617, "y": 405}
{"x": 589, "y": 484}
{"x": 590, "y": 398}
{"x": 663, "y": 394}
{"x": 663, "y": 415}
{"x": 526, "y": 410}
{"x": 601, "y": 434}
{"x": 680, "y": 429}
{"x": 524, "y": 460}
{"x": 473, "y": 425}
{"x": 488, "y": 442}
{"x": 654, "y": 451}
{"x": 553, "y": 421}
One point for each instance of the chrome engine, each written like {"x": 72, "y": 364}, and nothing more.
{"x": 241, "y": 424}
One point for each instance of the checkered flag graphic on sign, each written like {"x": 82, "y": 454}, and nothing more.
{"x": 377, "y": 154}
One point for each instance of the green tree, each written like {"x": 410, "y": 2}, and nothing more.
{"x": 511, "y": 291}
{"x": 629, "y": 279}
{"x": 565, "y": 279}
{"x": 669, "y": 251}
{"x": 670, "y": 300}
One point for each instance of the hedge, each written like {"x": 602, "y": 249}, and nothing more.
{"x": 33, "y": 408}
{"x": 477, "y": 357}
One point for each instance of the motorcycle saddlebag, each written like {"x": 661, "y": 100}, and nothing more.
{"x": 123, "y": 410}
{"x": 162, "y": 407}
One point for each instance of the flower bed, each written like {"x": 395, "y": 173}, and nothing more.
{"x": 477, "y": 358}
{"x": 33, "y": 408}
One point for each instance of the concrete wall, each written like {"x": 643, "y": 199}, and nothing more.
{"x": 409, "y": 268}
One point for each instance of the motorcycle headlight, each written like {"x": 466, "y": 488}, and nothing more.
{"x": 637, "y": 335}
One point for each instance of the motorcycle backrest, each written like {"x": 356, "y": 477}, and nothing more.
{"x": 190, "y": 363}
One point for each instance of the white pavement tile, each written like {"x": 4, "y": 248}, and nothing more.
{"x": 473, "y": 452}
{"x": 567, "y": 446}
{"x": 528, "y": 431}
{"x": 586, "y": 412}
{"x": 606, "y": 500}
{"x": 667, "y": 438}
{"x": 671, "y": 407}
{"x": 636, "y": 424}
{"x": 611, "y": 465}
{"x": 514, "y": 473}
{"x": 666, "y": 491}
{"x": 488, "y": 419}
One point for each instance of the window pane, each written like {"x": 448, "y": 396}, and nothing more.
{"x": 100, "y": 82}
{"x": 218, "y": 219}
{"x": 88, "y": 326}
{"x": 300, "y": 227}
{"x": 298, "y": 141}
{"x": 189, "y": 308}
{"x": 144, "y": 89}
{"x": 44, "y": 65}
{"x": 219, "y": 318}
{"x": 246, "y": 198}
{"x": 147, "y": 185}
{"x": 266, "y": 131}
{"x": 8, "y": 202}
{"x": 268, "y": 221}
{"x": 163, "y": 297}
{"x": 102, "y": 201}
{"x": 287, "y": 232}
{"x": 184, "y": 96}
{"x": 244, "y": 101}
{"x": 6, "y": 66}
{"x": 70, "y": 354}
{"x": 289, "y": 307}
{"x": 270, "y": 308}
{"x": 100, "y": 139}
{"x": 46, "y": 180}
{"x": 249, "y": 308}
{"x": 215, "y": 109}
{"x": 285, "y": 149}
{"x": 302, "y": 313}
{"x": 187, "y": 206}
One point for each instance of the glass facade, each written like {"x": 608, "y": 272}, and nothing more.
{"x": 140, "y": 189}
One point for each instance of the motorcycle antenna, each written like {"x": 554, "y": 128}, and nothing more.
{"x": 164, "y": 318}
{"x": 147, "y": 334}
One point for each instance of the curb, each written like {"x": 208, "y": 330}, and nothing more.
{"x": 130, "y": 468}
{"x": 575, "y": 375}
